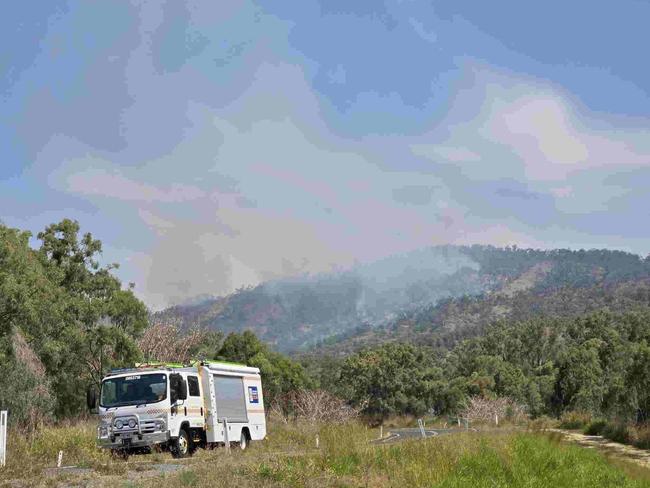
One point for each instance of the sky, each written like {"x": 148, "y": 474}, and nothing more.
{"x": 214, "y": 145}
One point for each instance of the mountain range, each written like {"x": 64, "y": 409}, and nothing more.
{"x": 436, "y": 295}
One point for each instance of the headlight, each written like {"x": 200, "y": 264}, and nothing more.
{"x": 118, "y": 424}
{"x": 132, "y": 423}
{"x": 160, "y": 424}
{"x": 102, "y": 432}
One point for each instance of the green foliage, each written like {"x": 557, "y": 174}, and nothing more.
{"x": 575, "y": 420}
{"x": 24, "y": 390}
{"x": 595, "y": 427}
{"x": 393, "y": 379}
{"x": 72, "y": 312}
{"x": 596, "y": 364}
{"x": 618, "y": 432}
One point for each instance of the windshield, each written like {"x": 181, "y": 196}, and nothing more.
{"x": 133, "y": 390}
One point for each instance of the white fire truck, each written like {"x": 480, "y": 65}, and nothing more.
{"x": 179, "y": 407}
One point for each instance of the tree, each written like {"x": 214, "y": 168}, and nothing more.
{"x": 72, "y": 313}
{"x": 580, "y": 378}
{"x": 392, "y": 379}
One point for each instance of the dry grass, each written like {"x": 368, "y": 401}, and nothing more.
{"x": 289, "y": 458}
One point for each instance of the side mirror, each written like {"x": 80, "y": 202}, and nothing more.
{"x": 91, "y": 398}
{"x": 177, "y": 387}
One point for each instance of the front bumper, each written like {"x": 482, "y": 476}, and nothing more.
{"x": 136, "y": 440}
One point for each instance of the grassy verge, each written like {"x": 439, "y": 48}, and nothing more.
{"x": 289, "y": 458}
{"x": 461, "y": 460}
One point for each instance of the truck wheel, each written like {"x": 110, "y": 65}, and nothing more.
{"x": 180, "y": 447}
{"x": 243, "y": 441}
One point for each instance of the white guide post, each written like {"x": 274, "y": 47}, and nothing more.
{"x": 3, "y": 438}
{"x": 226, "y": 437}
{"x": 421, "y": 426}
{"x": 59, "y": 461}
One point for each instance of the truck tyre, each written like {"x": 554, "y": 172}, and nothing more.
{"x": 181, "y": 446}
{"x": 243, "y": 440}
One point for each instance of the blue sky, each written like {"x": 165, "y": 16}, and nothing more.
{"x": 211, "y": 145}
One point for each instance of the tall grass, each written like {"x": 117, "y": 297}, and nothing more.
{"x": 345, "y": 457}
{"x": 28, "y": 455}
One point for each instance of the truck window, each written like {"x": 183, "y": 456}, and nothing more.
{"x": 193, "y": 386}
{"x": 135, "y": 389}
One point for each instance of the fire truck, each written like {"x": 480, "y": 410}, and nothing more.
{"x": 179, "y": 407}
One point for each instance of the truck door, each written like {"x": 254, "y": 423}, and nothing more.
{"x": 194, "y": 401}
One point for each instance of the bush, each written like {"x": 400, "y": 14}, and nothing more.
{"x": 24, "y": 387}
{"x": 641, "y": 436}
{"x": 481, "y": 409}
{"x": 574, "y": 420}
{"x": 595, "y": 427}
{"x": 541, "y": 423}
{"x": 617, "y": 432}
{"x": 314, "y": 406}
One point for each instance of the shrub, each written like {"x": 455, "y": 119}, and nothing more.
{"x": 617, "y": 432}
{"x": 641, "y": 436}
{"x": 541, "y": 423}
{"x": 313, "y": 406}
{"x": 481, "y": 409}
{"x": 574, "y": 420}
{"x": 595, "y": 427}
{"x": 24, "y": 387}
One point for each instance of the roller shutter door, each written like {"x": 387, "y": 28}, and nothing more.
{"x": 231, "y": 400}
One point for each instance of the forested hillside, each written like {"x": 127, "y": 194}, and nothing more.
{"x": 436, "y": 295}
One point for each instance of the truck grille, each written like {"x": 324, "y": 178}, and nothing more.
{"x": 147, "y": 426}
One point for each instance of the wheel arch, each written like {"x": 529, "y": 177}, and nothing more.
{"x": 185, "y": 425}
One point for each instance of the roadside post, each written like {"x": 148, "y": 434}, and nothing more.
{"x": 421, "y": 426}
{"x": 3, "y": 438}
{"x": 226, "y": 437}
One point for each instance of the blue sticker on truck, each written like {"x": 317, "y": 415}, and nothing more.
{"x": 253, "y": 397}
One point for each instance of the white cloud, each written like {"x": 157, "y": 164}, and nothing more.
{"x": 525, "y": 129}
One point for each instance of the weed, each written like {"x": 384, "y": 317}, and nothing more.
{"x": 595, "y": 427}
{"x": 188, "y": 478}
{"x": 574, "y": 420}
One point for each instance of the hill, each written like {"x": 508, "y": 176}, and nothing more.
{"x": 435, "y": 295}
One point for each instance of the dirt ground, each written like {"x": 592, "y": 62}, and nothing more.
{"x": 613, "y": 449}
